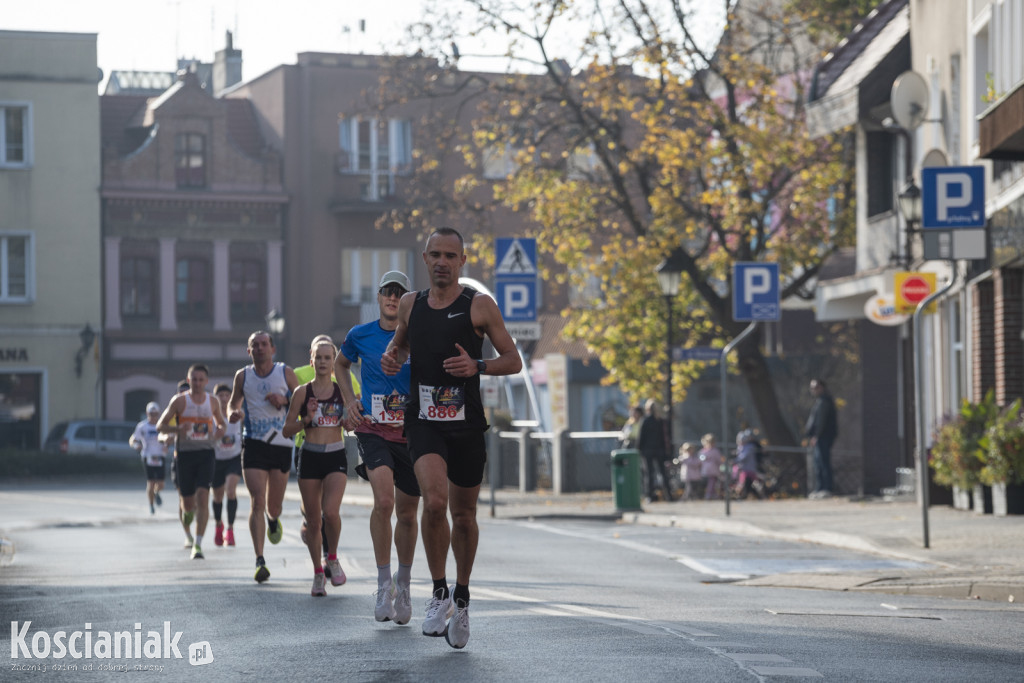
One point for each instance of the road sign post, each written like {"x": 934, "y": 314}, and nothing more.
{"x": 755, "y": 298}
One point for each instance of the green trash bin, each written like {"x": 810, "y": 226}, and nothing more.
{"x": 626, "y": 479}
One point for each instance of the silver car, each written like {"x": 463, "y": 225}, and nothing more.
{"x": 107, "y": 438}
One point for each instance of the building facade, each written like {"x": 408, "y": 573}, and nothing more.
{"x": 193, "y": 211}
{"x": 50, "y": 261}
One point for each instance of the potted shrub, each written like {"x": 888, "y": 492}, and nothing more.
{"x": 956, "y": 454}
{"x": 1003, "y": 468}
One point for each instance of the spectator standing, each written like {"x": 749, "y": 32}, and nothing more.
{"x": 653, "y": 446}
{"x": 691, "y": 464}
{"x": 822, "y": 430}
{"x": 711, "y": 467}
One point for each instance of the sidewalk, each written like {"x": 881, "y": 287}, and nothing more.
{"x": 970, "y": 555}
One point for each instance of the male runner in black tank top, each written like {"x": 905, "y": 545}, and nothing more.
{"x": 443, "y": 329}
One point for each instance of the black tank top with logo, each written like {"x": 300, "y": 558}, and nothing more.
{"x": 329, "y": 411}
{"x": 447, "y": 402}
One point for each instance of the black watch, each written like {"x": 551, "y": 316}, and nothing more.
{"x": 481, "y": 367}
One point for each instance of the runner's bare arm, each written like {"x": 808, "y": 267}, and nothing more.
{"x": 397, "y": 351}
{"x": 488, "y": 321}
{"x": 292, "y": 424}
{"x": 235, "y": 402}
{"x": 172, "y": 410}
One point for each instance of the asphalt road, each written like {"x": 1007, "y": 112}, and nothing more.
{"x": 551, "y": 600}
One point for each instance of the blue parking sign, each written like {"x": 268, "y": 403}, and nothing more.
{"x": 755, "y": 292}
{"x": 517, "y": 298}
{"x": 953, "y": 197}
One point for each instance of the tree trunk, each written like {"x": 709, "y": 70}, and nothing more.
{"x": 759, "y": 381}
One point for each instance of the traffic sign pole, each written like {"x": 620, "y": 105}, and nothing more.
{"x": 921, "y": 454}
{"x": 724, "y": 372}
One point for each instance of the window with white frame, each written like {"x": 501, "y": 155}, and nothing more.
{"x": 361, "y": 270}
{"x": 15, "y": 134}
{"x": 376, "y": 149}
{"x": 16, "y": 271}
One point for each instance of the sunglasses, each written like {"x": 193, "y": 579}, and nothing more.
{"x": 392, "y": 290}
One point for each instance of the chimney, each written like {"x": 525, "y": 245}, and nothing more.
{"x": 227, "y": 67}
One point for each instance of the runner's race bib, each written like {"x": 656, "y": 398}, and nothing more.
{"x": 388, "y": 409}
{"x": 198, "y": 431}
{"x": 328, "y": 415}
{"x": 442, "y": 404}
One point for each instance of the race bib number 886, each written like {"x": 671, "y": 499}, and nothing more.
{"x": 442, "y": 404}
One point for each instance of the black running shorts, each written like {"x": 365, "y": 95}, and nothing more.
{"x": 316, "y": 461}
{"x": 155, "y": 472}
{"x": 377, "y": 451}
{"x": 464, "y": 451}
{"x": 195, "y": 470}
{"x": 260, "y": 455}
{"x": 222, "y": 468}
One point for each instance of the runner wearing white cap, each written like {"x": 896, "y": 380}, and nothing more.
{"x": 146, "y": 440}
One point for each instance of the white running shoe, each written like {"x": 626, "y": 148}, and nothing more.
{"x": 457, "y": 633}
{"x": 384, "y": 610}
{"x": 403, "y": 605}
{"x": 319, "y": 585}
{"x": 438, "y": 613}
{"x": 332, "y": 568}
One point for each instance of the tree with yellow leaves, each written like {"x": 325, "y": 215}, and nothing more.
{"x": 650, "y": 144}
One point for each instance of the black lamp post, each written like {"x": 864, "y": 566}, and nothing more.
{"x": 275, "y": 326}
{"x": 911, "y": 208}
{"x": 670, "y": 273}
{"x": 88, "y": 337}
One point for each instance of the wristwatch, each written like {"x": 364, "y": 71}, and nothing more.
{"x": 481, "y": 367}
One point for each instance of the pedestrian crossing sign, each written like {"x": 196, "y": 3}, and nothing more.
{"x": 515, "y": 256}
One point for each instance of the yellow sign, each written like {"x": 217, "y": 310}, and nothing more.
{"x": 910, "y": 289}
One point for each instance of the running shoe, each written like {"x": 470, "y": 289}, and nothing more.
{"x": 457, "y": 633}
{"x": 197, "y": 552}
{"x": 218, "y": 535}
{"x": 152, "y": 510}
{"x": 189, "y": 541}
{"x": 277, "y": 533}
{"x": 403, "y": 605}
{"x": 319, "y": 583}
{"x": 384, "y": 610}
{"x": 229, "y": 536}
{"x": 438, "y": 613}
{"x": 159, "y": 500}
{"x": 262, "y": 573}
{"x": 187, "y": 518}
{"x": 333, "y": 570}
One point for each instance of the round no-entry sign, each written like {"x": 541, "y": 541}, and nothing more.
{"x": 915, "y": 289}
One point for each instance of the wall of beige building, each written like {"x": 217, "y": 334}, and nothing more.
{"x": 54, "y": 199}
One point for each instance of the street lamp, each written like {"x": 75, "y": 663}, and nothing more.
{"x": 275, "y": 322}
{"x": 911, "y": 208}
{"x": 670, "y": 274}
{"x": 87, "y": 336}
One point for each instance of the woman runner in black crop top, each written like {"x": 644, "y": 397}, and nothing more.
{"x": 321, "y": 463}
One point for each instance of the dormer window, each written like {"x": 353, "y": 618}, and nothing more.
{"x": 190, "y": 160}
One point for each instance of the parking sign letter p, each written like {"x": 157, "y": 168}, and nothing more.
{"x": 944, "y": 202}
{"x": 756, "y": 281}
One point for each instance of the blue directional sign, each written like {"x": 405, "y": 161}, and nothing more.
{"x": 517, "y": 298}
{"x": 953, "y": 197}
{"x": 704, "y": 353}
{"x": 755, "y": 292}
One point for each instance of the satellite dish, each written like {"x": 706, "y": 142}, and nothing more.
{"x": 935, "y": 158}
{"x": 909, "y": 99}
